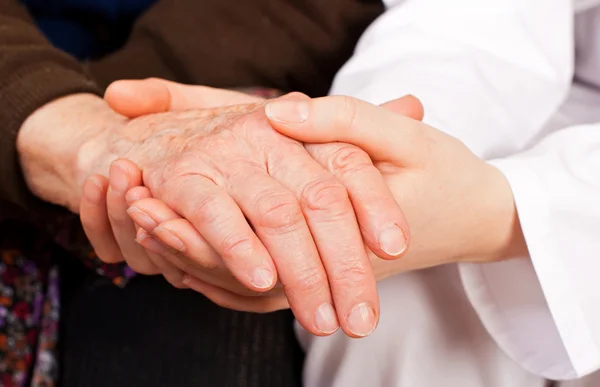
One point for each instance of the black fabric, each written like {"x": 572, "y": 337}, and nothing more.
{"x": 153, "y": 335}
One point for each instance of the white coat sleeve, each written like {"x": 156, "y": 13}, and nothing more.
{"x": 490, "y": 72}
{"x": 545, "y": 312}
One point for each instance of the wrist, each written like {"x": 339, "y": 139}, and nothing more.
{"x": 498, "y": 231}
{"x": 50, "y": 145}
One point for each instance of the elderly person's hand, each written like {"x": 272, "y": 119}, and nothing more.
{"x": 216, "y": 167}
{"x": 136, "y": 98}
{"x": 459, "y": 207}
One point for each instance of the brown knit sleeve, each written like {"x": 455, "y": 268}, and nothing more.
{"x": 32, "y": 73}
{"x": 288, "y": 45}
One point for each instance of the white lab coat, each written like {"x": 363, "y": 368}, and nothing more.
{"x": 496, "y": 74}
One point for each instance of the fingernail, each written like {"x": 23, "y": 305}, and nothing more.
{"x": 361, "y": 320}
{"x": 168, "y": 237}
{"x": 141, "y": 235}
{"x": 325, "y": 319}
{"x": 287, "y": 111}
{"x": 119, "y": 179}
{"x": 186, "y": 280}
{"x": 93, "y": 191}
{"x": 141, "y": 218}
{"x": 262, "y": 278}
{"x": 149, "y": 243}
{"x": 132, "y": 197}
{"x": 392, "y": 241}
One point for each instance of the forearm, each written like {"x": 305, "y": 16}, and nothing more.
{"x": 32, "y": 73}
{"x": 53, "y": 146}
{"x": 497, "y": 234}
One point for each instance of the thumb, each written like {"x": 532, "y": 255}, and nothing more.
{"x": 384, "y": 135}
{"x": 409, "y": 106}
{"x": 134, "y": 98}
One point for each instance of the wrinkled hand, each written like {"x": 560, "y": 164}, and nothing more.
{"x": 204, "y": 164}
{"x": 112, "y": 236}
{"x": 459, "y": 207}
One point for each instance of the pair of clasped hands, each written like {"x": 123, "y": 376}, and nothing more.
{"x": 292, "y": 202}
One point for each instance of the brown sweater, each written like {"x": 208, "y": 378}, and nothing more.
{"x": 283, "y": 44}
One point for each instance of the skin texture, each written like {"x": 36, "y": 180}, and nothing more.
{"x": 459, "y": 207}
{"x": 137, "y": 98}
{"x": 454, "y": 217}
{"x": 260, "y": 201}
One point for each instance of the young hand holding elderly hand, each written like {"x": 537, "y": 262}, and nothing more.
{"x": 459, "y": 208}
{"x": 295, "y": 205}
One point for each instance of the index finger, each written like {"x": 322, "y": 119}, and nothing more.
{"x": 384, "y": 135}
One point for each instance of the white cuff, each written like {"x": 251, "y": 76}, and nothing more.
{"x": 530, "y": 307}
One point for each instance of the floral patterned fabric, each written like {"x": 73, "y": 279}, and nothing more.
{"x": 30, "y": 299}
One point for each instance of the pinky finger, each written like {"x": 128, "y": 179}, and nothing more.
{"x": 175, "y": 232}
{"x": 171, "y": 273}
{"x": 228, "y": 300}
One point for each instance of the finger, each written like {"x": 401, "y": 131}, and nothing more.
{"x": 123, "y": 176}
{"x": 277, "y": 218}
{"x": 220, "y": 221}
{"x": 200, "y": 260}
{"x": 384, "y": 135}
{"x": 176, "y": 233}
{"x": 408, "y": 106}
{"x": 137, "y": 193}
{"x": 381, "y": 219}
{"x": 333, "y": 225}
{"x": 95, "y": 222}
{"x": 171, "y": 273}
{"x": 228, "y": 300}
{"x": 134, "y": 98}
{"x": 172, "y": 264}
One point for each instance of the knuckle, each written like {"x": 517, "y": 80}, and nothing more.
{"x": 205, "y": 208}
{"x": 169, "y": 181}
{"x": 307, "y": 281}
{"x": 278, "y": 212}
{"x": 349, "y": 274}
{"x": 236, "y": 245}
{"x": 324, "y": 194}
{"x": 347, "y": 113}
{"x": 347, "y": 159}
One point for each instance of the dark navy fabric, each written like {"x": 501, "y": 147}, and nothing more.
{"x": 86, "y": 28}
